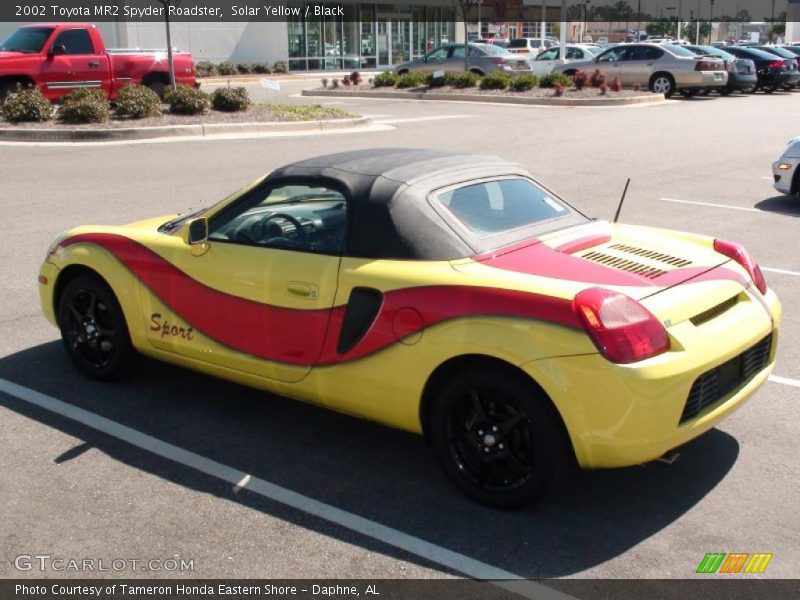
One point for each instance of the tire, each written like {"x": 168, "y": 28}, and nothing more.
{"x": 726, "y": 91}
{"x": 402, "y": 72}
{"x": 788, "y": 87}
{"x": 704, "y": 92}
{"x": 157, "y": 84}
{"x": 750, "y": 90}
{"x": 768, "y": 89}
{"x": 477, "y": 72}
{"x": 94, "y": 331}
{"x": 498, "y": 440}
{"x": 689, "y": 93}
{"x": 663, "y": 83}
{"x": 9, "y": 86}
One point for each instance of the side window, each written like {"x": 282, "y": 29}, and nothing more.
{"x": 291, "y": 217}
{"x": 474, "y": 52}
{"x": 439, "y": 54}
{"x": 76, "y": 41}
{"x": 457, "y": 52}
{"x": 653, "y": 53}
{"x": 551, "y": 54}
{"x": 574, "y": 53}
{"x": 612, "y": 55}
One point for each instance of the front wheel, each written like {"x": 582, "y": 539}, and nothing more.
{"x": 94, "y": 331}
{"x": 498, "y": 439}
{"x": 663, "y": 83}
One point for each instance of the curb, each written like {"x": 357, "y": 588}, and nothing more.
{"x": 649, "y": 99}
{"x": 147, "y": 133}
{"x": 283, "y": 77}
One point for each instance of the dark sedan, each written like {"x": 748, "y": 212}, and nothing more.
{"x": 787, "y": 55}
{"x": 773, "y": 71}
{"x": 741, "y": 71}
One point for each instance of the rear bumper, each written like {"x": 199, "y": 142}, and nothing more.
{"x": 740, "y": 81}
{"x": 622, "y": 415}
{"x": 701, "y": 79}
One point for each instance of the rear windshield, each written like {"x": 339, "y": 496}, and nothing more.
{"x": 518, "y": 43}
{"x": 493, "y": 207}
{"x": 756, "y": 53}
{"x": 780, "y": 52}
{"x": 678, "y": 50}
{"x": 29, "y": 40}
{"x": 493, "y": 50}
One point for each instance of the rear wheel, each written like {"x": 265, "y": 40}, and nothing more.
{"x": 704, "y": 92}
{"x": 788, "y": 87}
{"x": 498, "y": 440}
{"x": 726, "y": 91}
{"x": 93, "y": 329}
{"x": 662, "y": 83}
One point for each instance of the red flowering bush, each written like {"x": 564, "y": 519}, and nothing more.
{"x": 580, "y": 79}
{"x": 598, "y": 78}
{"x": 603, "y": 89}
{"x": 559, "y": 89}
{"x": 616, "y": 85}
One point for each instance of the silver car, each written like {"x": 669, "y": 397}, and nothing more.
{"x": 785, "y": 170}
{"x": 661, "y": 68}
{"x": 483, "y": 59}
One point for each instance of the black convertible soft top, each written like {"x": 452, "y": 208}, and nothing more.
{"x": 388, "y": 189}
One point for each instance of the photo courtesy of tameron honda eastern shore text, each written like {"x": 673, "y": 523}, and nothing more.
{"x": 445, "y": 294}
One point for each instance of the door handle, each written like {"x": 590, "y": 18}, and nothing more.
{"x": 304, "y": 290}
{"x": 94, "y": 64}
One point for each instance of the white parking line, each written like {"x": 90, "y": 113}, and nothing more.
{"x": 419, "y": 119}
{"x": 781, "y": 271}
{"x": 729, "y": 206}
{"x": 784, "y": 381}
{"x": 393, "y": 537}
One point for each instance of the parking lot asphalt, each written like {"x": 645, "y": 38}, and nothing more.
{"x": 701, "y": 165}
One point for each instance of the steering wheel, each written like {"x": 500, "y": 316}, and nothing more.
{"x": 264, "y": 229}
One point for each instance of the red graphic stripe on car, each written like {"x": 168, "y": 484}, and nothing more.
{"x": 295, "y": 336}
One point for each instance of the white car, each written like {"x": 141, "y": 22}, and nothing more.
{"x": 548, "y": 60}
{"x": 785, "y": 171}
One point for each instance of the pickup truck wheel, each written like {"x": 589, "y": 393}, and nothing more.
{"x": 94, "y": 331}
{"x": 157, "y": 83}
{"x": 9, "y": 86}
{"x": 498, "y": 440}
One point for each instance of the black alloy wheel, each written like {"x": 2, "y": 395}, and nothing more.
{"x": 498, "y": 440}
{"x": 93, "y": 329}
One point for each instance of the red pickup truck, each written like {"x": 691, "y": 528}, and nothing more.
{"x": 59, "y": 57}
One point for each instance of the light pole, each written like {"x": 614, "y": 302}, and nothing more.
{"x": 638, "y": 21}
{"x": 710, "y": 21}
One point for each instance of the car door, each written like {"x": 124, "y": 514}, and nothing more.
{"x": 638, "y": 64}
{"x": 259, "y": 298}
{"x": 435, "y": 61}
{"x": 545, "y": 62}
{"x": 610, "y": 61}
{"x": 72, "y": 62}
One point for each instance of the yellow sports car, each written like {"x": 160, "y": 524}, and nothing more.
{"x": 441, "y": 293}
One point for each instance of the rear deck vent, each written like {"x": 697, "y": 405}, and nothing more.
{"x": 714, "y": 311}
{"x": 673, "y": 261}
{"x": 624, "y": 264}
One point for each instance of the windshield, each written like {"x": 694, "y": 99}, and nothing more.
{"x": 494, "y": 207}
{"x": 29, "y": 40}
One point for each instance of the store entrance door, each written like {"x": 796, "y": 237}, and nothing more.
{"x": 394, "y": 41}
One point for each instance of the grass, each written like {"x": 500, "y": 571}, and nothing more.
{"x": 305, "y": 112}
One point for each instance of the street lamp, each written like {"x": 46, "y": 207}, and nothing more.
{"x": 710, "y": 21}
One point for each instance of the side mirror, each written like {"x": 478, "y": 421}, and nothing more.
{"x": 56, "y": 49}
{"x": 197, "y": 231}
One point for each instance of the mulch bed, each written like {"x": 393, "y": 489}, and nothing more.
{"x": 587, "y": 92}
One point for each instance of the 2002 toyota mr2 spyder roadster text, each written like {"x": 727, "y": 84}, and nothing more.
{"x": 441, "y": 293}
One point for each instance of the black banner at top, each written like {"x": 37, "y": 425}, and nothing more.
{"x": 618, "y": 11}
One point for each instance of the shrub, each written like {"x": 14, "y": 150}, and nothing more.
{"x": 598, "y": 78}
{"x": 496, "y": 80}
{"x": 336, "y": 84}
{"x": 84, "y": 105}
{"x": 230, "y": 99}
{"x": 551, "y": 79}
{"x": 26, "y": 104}
{"x": 261, "y": 68}
{"x": 324, "y": 82}
{"x": 523, "y": 83}
{"x": 616, "y": 85}
{"x": 205, "y": 68}
{"x": 244, "y": 68}
{"x": 280, "y": 67}
{"x": 137, "y": 102}
{"x": 603, "y": 89}
{"x": 412, "y": 79}
{"x": 558, "y": 89}
{"x": 356, "y": 78}
{"x": 385, "y": 79}
{"x": 346, "y": 81}
{"x": 464, "y": 80}
{"x": 186, "y": 100}
{"x": 580, "y": 79}
{"x": 227, "y": 69}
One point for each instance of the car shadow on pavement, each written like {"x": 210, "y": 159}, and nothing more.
{"x": 381, "y": 474}
{"x": 784, "y": 205}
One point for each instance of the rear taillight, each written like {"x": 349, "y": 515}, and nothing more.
{"x": 738, "y": 253}
{"x": 623, "y": 330}
{"x": 776, "y": 64}
{"x": 730, "y": 66}
{"x": 709, "y": 65}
